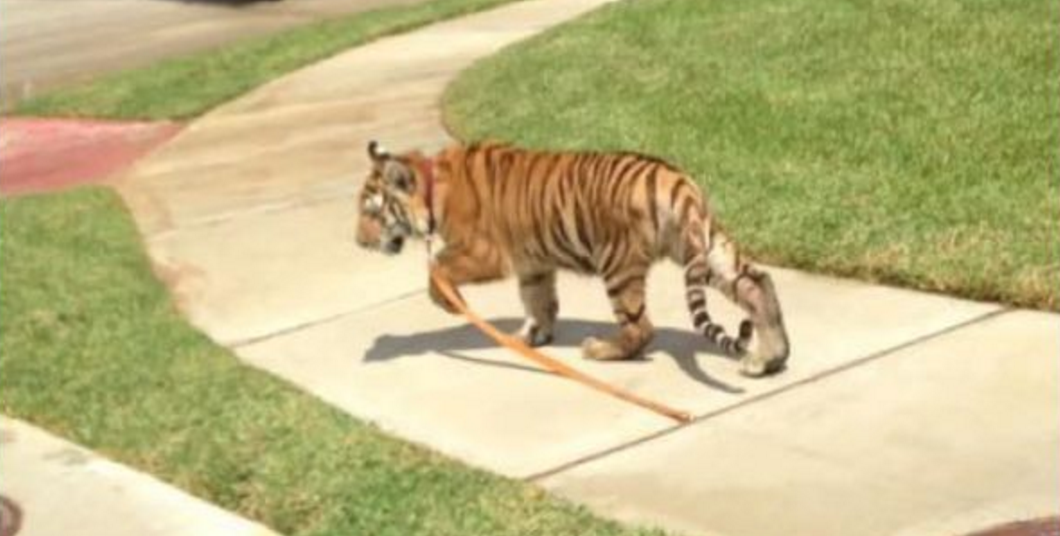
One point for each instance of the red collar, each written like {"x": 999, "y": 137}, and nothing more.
{"x": 427, "y": 170}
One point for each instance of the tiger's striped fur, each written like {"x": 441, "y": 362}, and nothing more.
{"x": 506, "y": 211}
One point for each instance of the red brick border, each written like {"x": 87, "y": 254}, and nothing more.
{"x": 1049, "y": 526}
{"x": 39, "y": 155}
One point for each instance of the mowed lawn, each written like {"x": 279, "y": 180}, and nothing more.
{"x": 913, "y": 142}
{"x": 92, "y": 348}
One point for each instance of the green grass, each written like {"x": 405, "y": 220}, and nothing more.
{"x": 92, "y": 348}
{"x": 189, "y": 86}
{"x": 905, "y": 141}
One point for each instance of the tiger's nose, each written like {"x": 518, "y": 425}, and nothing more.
{"x": 394, "y": 245}
{"x": 367, "y": 234}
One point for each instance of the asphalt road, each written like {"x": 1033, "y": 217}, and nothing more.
{"x": 48, "y": 43}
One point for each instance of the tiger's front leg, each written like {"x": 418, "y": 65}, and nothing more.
{"x": 438, "y": 297}
{"x": 635, "y": 330}
{"x": 538, "y": 292}
{"x": 459, "y": 266}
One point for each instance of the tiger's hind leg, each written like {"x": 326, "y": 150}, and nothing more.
{"x": 635, "y": 329}
{"x": 538, "y": 292}
{"x": 752, "y": 289}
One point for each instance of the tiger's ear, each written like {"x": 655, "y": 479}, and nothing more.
{"x": 378, "y": 154}
{"x": 395, "y": 171}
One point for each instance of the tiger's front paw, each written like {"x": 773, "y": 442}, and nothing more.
{"x": 534, "y": 335}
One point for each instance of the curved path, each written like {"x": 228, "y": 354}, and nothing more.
{"x": 901, "y": 412}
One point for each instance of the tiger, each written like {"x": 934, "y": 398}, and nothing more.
{"x": 501, "y": 210}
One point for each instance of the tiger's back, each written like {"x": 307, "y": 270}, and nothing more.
{"x": 588, "y": 212}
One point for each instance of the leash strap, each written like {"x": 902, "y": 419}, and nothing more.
{"x": 427, "y": 170}
{"x": 551, "y": 364}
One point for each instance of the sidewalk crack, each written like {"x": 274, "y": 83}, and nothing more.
{"x": 247, "y": 341}
{"x": 813, "y": 378}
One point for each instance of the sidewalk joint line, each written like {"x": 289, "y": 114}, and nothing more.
{"x": 813, "y": 378}
{"x": 239, "y": 343}
{"x": 262, "y": 209}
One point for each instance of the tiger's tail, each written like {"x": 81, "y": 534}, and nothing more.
{"x": 696, "y": 296}
{"x": 704, "y": 246}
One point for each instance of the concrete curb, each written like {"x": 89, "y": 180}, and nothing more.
{"x": 62, "y": 488}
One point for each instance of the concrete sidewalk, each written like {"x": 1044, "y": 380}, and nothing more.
{"x": 901, "y": 412}
{"x": 60, "y": 488}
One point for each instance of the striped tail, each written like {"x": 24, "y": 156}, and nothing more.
{"x": 697, "y": 277}
{"x": 714, "y": 332}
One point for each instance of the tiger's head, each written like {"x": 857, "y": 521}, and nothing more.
{"x": 391, "y": 205}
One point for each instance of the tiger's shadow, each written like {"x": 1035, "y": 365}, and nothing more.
{"x": 681, "y": 346}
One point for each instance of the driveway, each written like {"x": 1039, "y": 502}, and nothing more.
{"x": 48, "y": 43}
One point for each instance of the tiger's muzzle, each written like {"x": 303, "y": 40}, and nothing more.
{"x": 373, "y": 234}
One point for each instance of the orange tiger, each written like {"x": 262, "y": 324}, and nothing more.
{"x": 502, "y": 210}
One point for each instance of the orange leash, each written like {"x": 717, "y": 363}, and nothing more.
{"x": 549, "y": 363}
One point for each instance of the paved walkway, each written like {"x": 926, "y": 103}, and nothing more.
{"x": 60, "y": 489}
{"x": 901, "y": 412}
{"x": 44, "y": 44}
